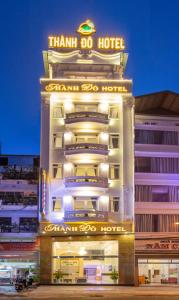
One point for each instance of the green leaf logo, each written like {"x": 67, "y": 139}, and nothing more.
{"x": 86, "y": 28}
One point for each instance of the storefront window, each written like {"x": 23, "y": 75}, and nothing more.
{"x": 85, "y": 262}
{"x": 158, "y": 271}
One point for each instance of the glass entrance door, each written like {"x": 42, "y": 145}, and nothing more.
{"x": 85, "y": 262}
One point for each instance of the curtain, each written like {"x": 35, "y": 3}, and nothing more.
{"x": 167, "y": 223}
{"x": 156, "y": 137}
{"x": 143, "y": 223}
{"x": 143, "y": 193}
{"x": 164, "y": 165}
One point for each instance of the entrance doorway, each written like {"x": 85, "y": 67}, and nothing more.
{"x": 93, "y": 262}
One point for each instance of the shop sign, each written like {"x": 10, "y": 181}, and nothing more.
{"x": 157, "y": 245}
{"x": 18, "y": 246}
{"x": 85, "y": 40}
{"x": 86, "y": 228}
{"x": 87, "y": 87}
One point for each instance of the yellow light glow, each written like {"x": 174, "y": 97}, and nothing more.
{"x": 68, "y": 166}
{"x": 68, "y": 106}
{"x": 67, "y": 198}
{"x": 68, "y": 136}
{"x": 104, "y": 199}
{"x": 104, "y": 136}
{"x": 104, "y": 167}
{"x": 54, "y": 98}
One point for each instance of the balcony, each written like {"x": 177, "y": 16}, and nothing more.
{"x": 15, "y": 228}
{"x": 85, "y": 215}
{"x": 96, "y": 152}
{"x": 19, "y": 173}
{"x": 75, "y": 119}
{"x": 86, "y": 181}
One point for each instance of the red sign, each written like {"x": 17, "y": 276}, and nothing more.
{"x": 18, "y": 246}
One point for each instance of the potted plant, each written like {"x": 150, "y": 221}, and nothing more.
{"x": 58, "y": 276}
{"x": 114, "y": 275}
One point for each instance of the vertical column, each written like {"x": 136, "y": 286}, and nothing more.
{"x": 126, "y": 260}
{"x": 128, "y": 158}
{"x": 45, "y": 260}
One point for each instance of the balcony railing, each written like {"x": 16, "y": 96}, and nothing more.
{"x": 14, "y": 228}
{"x": 24, "y": 202}
{"x": 18, "y": 172}
{"x": 86, "y": 148}
{"x": 85, "y": 215}
{"x": 86, "y": 116}
{"x": 95, "y": 181}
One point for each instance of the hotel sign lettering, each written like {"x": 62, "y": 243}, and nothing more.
{"x": 87, "y": 87}
{"x": 85, "y": 41}
{"x": 73, "y": 42}
{"x": 86, "y": 228}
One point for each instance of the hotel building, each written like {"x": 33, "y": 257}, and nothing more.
{"x": 157, "y": 188}
{"x": 18, "y": 216}
{"x": 87, "y": 164}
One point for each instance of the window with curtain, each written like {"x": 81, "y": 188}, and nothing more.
{"x": 58, "y": 112}
{"x": 157, "y": 164}
{"x": 156, "y": 223}
{"x": 85, "y": 203}
{"x": 156, "y": 193}
{"x": 86, "y": 170}
{"x": 57, "y": 204}
{"x": 58, "y": 140}
{"x": 114, "y": 172}
{"x": 114, "y": 111}
{"x": 156, "y": 137}
{"x": 115, "y": 204}
{"x": 57, "y": 171}
{"x": 114, "y": 141}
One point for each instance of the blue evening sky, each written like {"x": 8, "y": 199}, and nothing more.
{"x": 150, "y": 28}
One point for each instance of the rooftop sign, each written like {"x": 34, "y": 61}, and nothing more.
{"x": 85, "y": 40}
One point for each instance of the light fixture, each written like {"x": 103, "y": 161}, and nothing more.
{"x": 68, "y": 166}
{"x": 104, "y": 167}
{"x": 104, "y": 136}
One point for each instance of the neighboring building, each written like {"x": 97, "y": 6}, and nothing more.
{"x": 157, "y": 187}
{"x": 87, "y": 163}
{"x": 18, "y": 215}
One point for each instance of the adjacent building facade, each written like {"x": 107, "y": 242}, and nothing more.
{"x": 157, "y": 188}
{"x": 87, "y": 165}
{"x": 18, "y": 215}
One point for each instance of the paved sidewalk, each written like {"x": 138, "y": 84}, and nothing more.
{"x": 78, "y": 292}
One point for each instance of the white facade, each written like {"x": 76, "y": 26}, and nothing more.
{"x": 87, "y": 141}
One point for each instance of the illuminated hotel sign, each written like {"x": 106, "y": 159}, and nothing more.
{"x": 75, "y": 228}
{"x": 100, "y": 87}
{"x": 86, "y": 41}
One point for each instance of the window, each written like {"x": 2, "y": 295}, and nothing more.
{"x": 85, "y": 203}
{"x": 86, "y": 170}
{"x": 87, "y": 107}
{"x": 57, "y": 171}
{"x": 114, "y": 141}
{"x": 114, "y": 172}
{"x": 58, "y": 112}
{"x": 58, "y": 141}
{"x": 114, "y": 112}
{"x": 92, "y": 138}
{"x": 57, "y": 204}
{"x": 115, "y": 204}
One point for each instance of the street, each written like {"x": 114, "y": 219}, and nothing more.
{"x": 93, "y": 292}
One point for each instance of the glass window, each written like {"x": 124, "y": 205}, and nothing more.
{"x": 115, "y": 204}
{"x": 87, "y": 107}
{"x": 58, "y": 140}
{"x": 58, "y": 112}
{"x": 89, "y": 262}
{"x": 86, "y": 170}
{"x": 57, "y": 171}
{"x": 114, "y": 112}
{"x": 85, "y": 203}
{"x": 114, "y": 141}
{"x": 57, "y": 204}
{"x": 114, "y": 172}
